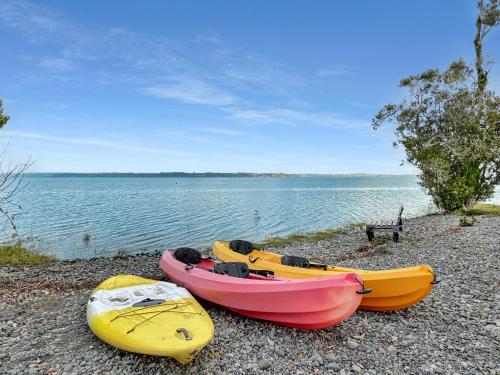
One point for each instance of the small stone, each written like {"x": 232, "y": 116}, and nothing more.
{"x": 342, "y": 334}
{"x": 426, "y": 369}
{"x": 265, "y": 364}
{"x": 330, "y": 357}
{"x": 280, "y": 352}
{"x": 356, "y": 368}
{"x": 316, "y": 358}
{"x": 333, "y": 366}
{"x": 382, "y": 249}
{"x": 68, "y": 368}
{"x": 352, "y": 344}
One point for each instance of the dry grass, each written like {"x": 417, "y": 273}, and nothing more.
{"x": 485, "y": 209}
{"x": 488, "y": 209}
{"x": 357, "y": 225}
{"x": 307, "y": 237}
{"x": 13, "y": 255}
{"x": 380, "y": 240}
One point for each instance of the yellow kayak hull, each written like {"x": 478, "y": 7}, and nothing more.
{"x": 392, "y": 289}
{"x": 149, "y": 317}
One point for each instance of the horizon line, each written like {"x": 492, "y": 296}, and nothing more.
{"x": 222, "y": 173}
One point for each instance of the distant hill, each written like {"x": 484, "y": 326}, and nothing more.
{"x": 204, "y": 174}
{"x": 161, "y": 174}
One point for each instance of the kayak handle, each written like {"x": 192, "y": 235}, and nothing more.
{"x": 364, "y": 291}
{"x": 188, "y": 267}
{"x": 253, "y": 260}
{"x": 185, "y": 332}
{"x": 436, "y": 280}
{"x": 318, "y": 265}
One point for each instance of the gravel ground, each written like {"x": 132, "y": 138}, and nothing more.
{"x": 456, "y": 330}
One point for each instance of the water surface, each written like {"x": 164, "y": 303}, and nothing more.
{"x": 136, "y": 214}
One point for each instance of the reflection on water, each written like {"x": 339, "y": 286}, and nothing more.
{"x": 78, "y": 217}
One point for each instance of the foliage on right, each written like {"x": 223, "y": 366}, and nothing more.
{"x": 3, "y": 118}
{"x": 449, "y": 126}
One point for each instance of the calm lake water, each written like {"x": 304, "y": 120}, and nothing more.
{"x": 137, "y": 214}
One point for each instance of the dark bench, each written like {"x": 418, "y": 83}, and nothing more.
{"x": 396, "y": 227}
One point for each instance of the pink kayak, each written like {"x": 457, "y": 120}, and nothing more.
{"x": 300, "y": 303}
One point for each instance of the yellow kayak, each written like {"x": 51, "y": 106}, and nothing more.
{"x": 149, "y": 317}
{"x": 392, "y": 289}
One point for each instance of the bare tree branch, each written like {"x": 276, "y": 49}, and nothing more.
{"x": 11, "y": 183}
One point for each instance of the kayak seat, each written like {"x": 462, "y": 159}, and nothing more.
{"x": 234, "y": 269}
{"x": 289, "y": 260}
{"x": 241, "y": 246}
{"x": 187, "y": 255}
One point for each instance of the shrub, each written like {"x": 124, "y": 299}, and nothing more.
{"x": 467, "y": 221}
{"x": 450, "y": 133}
{"x": 380, "y": 240}
{"x": 11, "y": 255}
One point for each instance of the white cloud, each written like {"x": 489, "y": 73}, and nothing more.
{"x": 294, "y": 117}
{"x": 118, "y": 55}
{"x": 29, "y": 19}
{"x": 222, "y": 131}
{"x": 95, "y": 142}
{"x": 58, "y": 64}
{"x": 363, "y": 105}
{"x": 58, "y": 106}
{"x": 192, "y": 91}
{"x": 340, "y": 70}
{"x": 200, "y": 70}
{"x": 253, "y": 115}
{"x": 252, "y": 73}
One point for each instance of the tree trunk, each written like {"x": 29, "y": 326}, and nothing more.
{"x": 482, "y": 75}
{"x": 470, "y": 203}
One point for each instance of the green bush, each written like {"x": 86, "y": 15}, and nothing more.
{"x": 12, "y": 255}
{"x": 380, "y": 240}
{"x": 467, "y": 221}
{"x": 451, "y": 133}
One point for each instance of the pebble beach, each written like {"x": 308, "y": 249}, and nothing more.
{"x": 455, "y": 330}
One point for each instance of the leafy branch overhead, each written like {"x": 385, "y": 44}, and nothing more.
{"x": 449, "y": 125}
{"x": 3, "y": 118}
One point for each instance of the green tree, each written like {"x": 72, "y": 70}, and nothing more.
{"x": 3, "y": 118}
{"x": 439, "y": 126}
{"x": 449, "y": 126}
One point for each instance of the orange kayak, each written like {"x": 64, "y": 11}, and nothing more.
{"x": 392, "y": 289}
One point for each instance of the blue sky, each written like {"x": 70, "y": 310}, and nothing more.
{"x": 256, "y": 86}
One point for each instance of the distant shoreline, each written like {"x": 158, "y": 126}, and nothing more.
{"x": 209, "y": 174}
